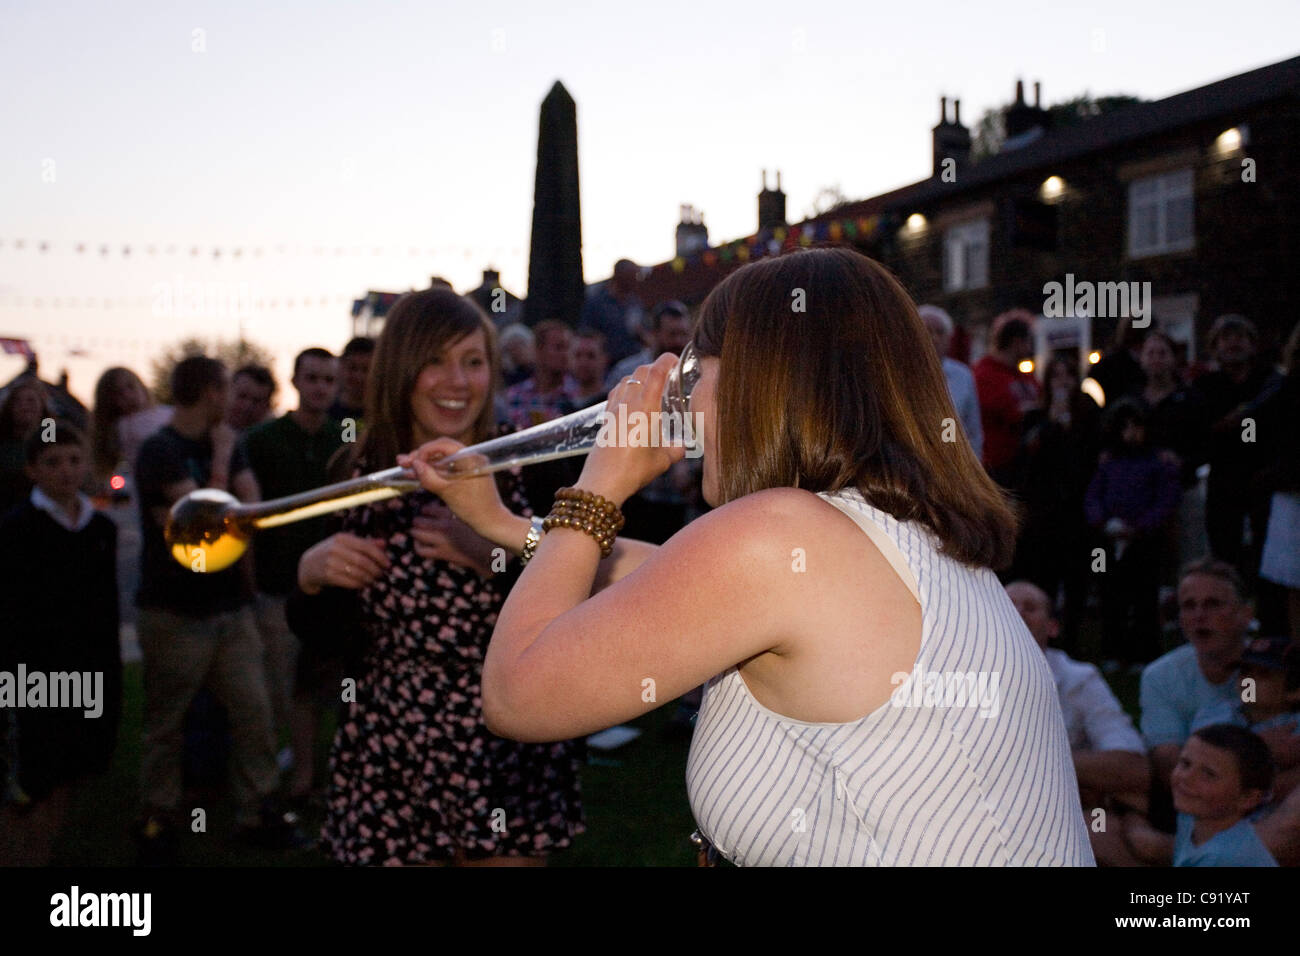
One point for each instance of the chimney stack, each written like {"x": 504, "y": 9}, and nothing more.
{"x": 692, "y": 234}
{"x": 1021, "y": 118}
{"x": 771, "y": 205}
{"x": 950, "y": 140}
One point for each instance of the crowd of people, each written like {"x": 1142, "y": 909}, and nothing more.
{"x": 1116, "y": 509}
{"x": 1169, "y": 516}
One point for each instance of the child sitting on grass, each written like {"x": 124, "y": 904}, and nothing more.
{"x": 1223, "y": 779}
{"x": 1269, "y": 705}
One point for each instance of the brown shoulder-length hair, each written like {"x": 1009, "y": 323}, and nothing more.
{"x": 829, "y": 379}
{"x": 8, "y": 426}
{"x": 419, "y": 326}
{"x": 104, "y": 444}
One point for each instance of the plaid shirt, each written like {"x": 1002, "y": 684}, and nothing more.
{"x": 526, "y": 406}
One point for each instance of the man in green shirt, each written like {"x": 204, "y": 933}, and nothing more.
{"x": 289, "y": 455}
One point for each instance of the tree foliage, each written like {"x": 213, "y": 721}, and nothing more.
{"x": 232, "y": 353}
{"x": 828, "y": 199}
{"x": 990, "y": 129}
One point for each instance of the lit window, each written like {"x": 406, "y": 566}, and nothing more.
{"x": 966, "y": 256}
{"x": 1160, "y": 214}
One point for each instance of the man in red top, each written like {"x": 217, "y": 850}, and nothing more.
{"x": 1006, "y": 394}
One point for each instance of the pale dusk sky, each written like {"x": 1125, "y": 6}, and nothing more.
{"x": 403, "y": 136}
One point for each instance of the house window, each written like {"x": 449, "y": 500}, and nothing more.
{"x": 966, "y": 256}
{"x": 1160, "y": 215}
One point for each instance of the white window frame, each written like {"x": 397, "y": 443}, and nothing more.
{"x": 1152, "y": 196}
{"x": 966, "y": 256}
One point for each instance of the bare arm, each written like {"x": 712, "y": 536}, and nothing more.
{"x": 1112, "y": 771}
{"x": 645, "y": 640}
{"x": 244, "y": 486}
{"x": 1164, "y": 758}
{"x": 1146, "y": 842}
{"x": 481, "y": 509}
{"x": 1284, "y": 745}
{"x": 1279, "y": 829}
{"x": 629, "y": 554}
{"x": 224, "y": 440}
{"x": 172, "y": 493}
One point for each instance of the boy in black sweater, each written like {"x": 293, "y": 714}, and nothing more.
{"x": 60, "y": 661}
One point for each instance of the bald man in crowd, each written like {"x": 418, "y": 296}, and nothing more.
{"x": 1110, "y": 759}
{"x": 961, "y": 381}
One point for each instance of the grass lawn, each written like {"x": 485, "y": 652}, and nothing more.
{"x": 635, "y": 801}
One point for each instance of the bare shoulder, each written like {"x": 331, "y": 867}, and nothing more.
{"x": 838, "y": 620}
{"x": 772, "y": 532}
{"x": 753, "y": 522}
{"x": 778, "y": 505}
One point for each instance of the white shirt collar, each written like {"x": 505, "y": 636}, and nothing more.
{"x": 86, "y": 509}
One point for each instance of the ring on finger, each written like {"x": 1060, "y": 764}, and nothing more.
{"x": 635, "y": 381}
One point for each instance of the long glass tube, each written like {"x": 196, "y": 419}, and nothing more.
{"x": 208, "y": 530}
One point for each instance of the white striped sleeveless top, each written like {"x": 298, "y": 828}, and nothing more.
{"x": 967, "y": 764}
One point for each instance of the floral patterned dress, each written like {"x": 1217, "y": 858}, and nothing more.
{"x": 415, "y": 775}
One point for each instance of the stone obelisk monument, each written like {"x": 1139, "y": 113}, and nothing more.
{"x": 555, "y": 286}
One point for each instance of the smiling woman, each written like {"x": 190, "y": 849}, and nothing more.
{"x": 415, "y": 774}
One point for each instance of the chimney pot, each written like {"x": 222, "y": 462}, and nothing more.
{"x": 956, "y": 115}
{"x": 943, "y": 109}
{"x": 1038, "y": 89}
{"x": 771, "y": 205}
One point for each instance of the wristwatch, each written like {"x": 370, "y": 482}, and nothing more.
{"x": 533, "y": 539}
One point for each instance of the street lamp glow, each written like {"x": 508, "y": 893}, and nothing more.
{"x": 915, "y": 222}
{"x": 1229, "y": 141}
{"x": 1053, "y": 187}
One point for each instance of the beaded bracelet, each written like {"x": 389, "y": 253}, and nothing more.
{"x": 571, "y": 502}
{"x": 589, "y": 513}
{"x": 593, "y": 521}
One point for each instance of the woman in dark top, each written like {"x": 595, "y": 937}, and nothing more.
{"x": 25, "y": 406}
{"x": 1119, "y": 373}
{"x": 1280, "y": 413}
{"x": 1057, "y": 458}
{"x": 415, "y": 776}
{"x": 1177, "y": 427}
{"x": 1175, "y": 415}
{"x": 1133, "y": 493}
